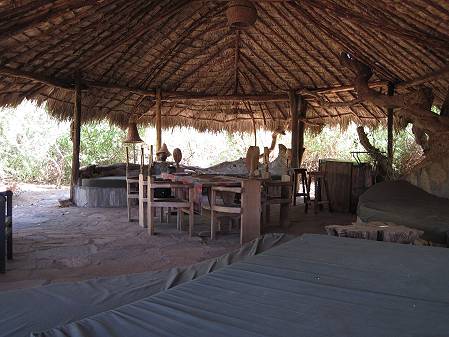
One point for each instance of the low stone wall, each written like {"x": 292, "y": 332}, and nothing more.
{"x": 432, "y": 177}
{"x": 103, "y": 197}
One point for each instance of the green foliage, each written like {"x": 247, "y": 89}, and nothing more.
{"x": 337, "y": 144}
{"x": 37, "y": 148}
{"x": 25, "y": 141}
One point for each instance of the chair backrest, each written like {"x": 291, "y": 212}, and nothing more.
{"x": 159, "y": 183}
{"x": 226, "y": 208}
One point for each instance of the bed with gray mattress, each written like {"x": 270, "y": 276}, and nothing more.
{"x": 404, "y": 204}
{"x": 311, "y": 286}
{"x": 23, "y": 311}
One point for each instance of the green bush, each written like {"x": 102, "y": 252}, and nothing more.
{"x": 36, "y": 148}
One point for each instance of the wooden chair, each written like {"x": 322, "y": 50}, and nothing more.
{"x": 176, "y": 202}
{"x": 132, "y": 186}
{"x": 226, "y": 209}
{"x": 276, "y": 192}
{"x": 319, "y": 180}
{"x": 5, "y": 229}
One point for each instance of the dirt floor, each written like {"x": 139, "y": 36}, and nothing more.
{"x": 53, "y": 244}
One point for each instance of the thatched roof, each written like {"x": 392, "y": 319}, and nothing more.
{"x": 124, "y": 50}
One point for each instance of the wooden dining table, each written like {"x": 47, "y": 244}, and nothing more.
{"x": 203, "y": 184}
{"x": 251, "y": 198}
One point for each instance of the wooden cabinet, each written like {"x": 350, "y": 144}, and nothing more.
{"x": 346, "y": 182}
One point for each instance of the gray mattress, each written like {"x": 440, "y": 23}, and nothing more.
{"x": 311, "y": 286}
{"x": 404, "y": 204}
{"x": 34, "y": 309}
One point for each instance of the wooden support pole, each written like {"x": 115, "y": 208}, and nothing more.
{"x": 390, "y": 112}
{"x": 158, "y": 120}
{"x": 301, "y": 128}
{"x": 294, "y": 126}
{"x": 76, "y": 138}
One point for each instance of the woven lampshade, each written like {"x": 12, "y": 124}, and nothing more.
{"x": 241, "y": 14}
{"x": 133, "y": 135}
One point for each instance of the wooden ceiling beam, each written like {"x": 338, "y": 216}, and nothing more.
{"x": 69, "y": 84}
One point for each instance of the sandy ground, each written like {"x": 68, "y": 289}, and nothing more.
{"x": 53, "y": 244}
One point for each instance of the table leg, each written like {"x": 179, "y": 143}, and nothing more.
{"x": 251, "y": 210}
{"x": 284, "y": 207}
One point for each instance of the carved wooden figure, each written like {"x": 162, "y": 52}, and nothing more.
{"x": 252, "y": 160}
{"x": 177, "y": 156}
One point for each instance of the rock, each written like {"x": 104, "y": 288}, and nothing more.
{"x": 432, "y": 175}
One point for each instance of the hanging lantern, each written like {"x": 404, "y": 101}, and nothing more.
{"x": 133, "y": 135}
{"x": 241, "y": 14}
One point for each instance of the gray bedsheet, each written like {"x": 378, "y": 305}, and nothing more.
{"x": 34, "y": 309}
{"x": 311, "y": 286}
{"x": 404, "y": 204}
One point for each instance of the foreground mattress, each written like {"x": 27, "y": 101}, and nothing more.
{"x": 25, "y": 310}
{"x": 311, "y": 286}
{"x": 404, "y": 204}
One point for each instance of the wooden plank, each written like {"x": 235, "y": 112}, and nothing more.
{"x": 285, "y": 206}
{"x": 225, "y": 209}
{"x": 227, "y": 189}
{"x": 142, "y": 201}
{"x": 339, "y": 180}
{"x": 174, "y": 204}
{"x": 76, "y": 139}
{"x": 154, "y": 185}
{"x": 150, "y": 211}
{"x": 251, "y": 210}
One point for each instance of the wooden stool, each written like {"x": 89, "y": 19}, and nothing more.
{"x": 302, "y": 173}
{"x": 319, "y": 180}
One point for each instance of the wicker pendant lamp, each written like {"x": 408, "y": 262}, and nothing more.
{"x": 133, "y": 134}
{"x": 241, "y": 14}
